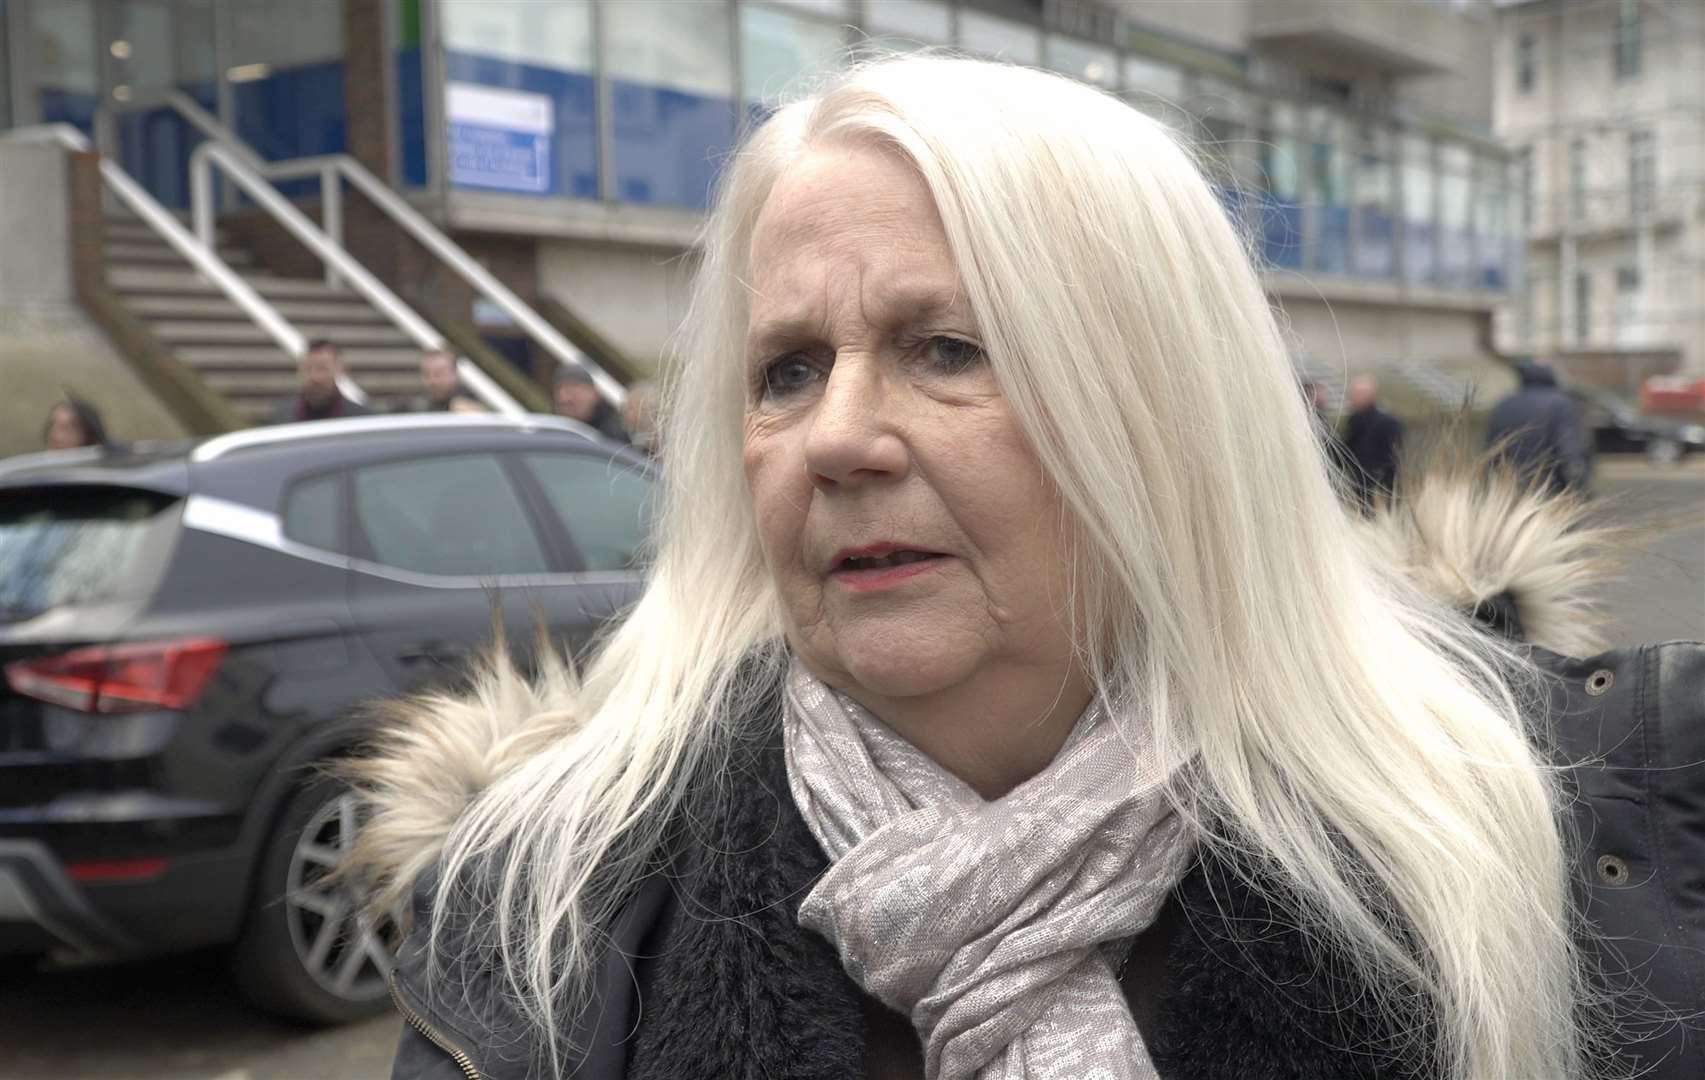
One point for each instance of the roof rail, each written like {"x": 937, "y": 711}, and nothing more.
{"x": 221, "y": 445}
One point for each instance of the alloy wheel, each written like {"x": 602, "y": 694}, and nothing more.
{"x": 343, "y": 949}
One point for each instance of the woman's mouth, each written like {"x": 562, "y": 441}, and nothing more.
{"x": 867, "y": 571}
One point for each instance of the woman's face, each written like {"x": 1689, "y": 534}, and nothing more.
{"x": 908, "y": 525}
{"x": 64, "y": 430}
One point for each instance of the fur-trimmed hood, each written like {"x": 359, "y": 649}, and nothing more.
{"x": 1525, "y": 562}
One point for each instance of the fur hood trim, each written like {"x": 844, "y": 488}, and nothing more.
{"x": 1485, "y": 542}
{"x": 1467, "y": 535}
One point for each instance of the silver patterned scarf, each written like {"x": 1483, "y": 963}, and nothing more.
{"x": 996, "y": 926}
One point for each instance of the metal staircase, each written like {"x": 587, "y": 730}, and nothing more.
{"x": 206, "y": 331}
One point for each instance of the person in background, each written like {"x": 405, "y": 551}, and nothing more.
{"x": 1371, "y": 439}
{"x": 438, "y": 379}
{"x": 640, "y": 415}
{"x": 319, "y": 397}
{"x": 72, "y": 423}
{"x": 578, "y": 399}
{"x": 1537, "y": 430}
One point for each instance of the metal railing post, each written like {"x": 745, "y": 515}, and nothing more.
{"x": 201, "y": 206}
{"x": 331, "y": 215}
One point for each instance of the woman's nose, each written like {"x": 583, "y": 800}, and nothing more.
{"x": 855, "y": 436}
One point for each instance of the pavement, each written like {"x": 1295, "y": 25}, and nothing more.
{"x": 180, "y": 1018}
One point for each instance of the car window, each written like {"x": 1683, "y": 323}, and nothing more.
{"x": 70, "y": 546}
{"x": 456, "y": 514}
{"x": 313, "y": 513}
{"x": 604, "y": 503}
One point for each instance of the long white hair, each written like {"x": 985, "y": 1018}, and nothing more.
{"x": 1363, "y": 744}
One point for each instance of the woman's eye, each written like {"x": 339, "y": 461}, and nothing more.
{"x": 787, "y": 375}
{"x": 953, "y": 355}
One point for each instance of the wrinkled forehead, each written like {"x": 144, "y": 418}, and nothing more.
{"x": 850, "y": 224}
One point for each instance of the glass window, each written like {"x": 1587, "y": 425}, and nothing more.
{"x": 1577, "y": 179}
{"x": 1420, "y": 231}
{"x": 1627, "y": 297}
{"x": 1525, "y": 175}
{"x": 671, "y": 75}
{"x": 521, "y": 101}
{"x": 838, "y": 9}
{"x": 81, "y": 545}
{"x": 454, "y": 515}
{"x": 1627, "y": 39}
{"x": 918, "y": 22}
{"x": 604, "y": 504}
{"x": 1084, "y": 60}
{"x": 1376, "y": 204}
{"x": 781, "y": 53}
{"x": 285, "y": 67}
{"x": 1329, "y": 174}
{"x": 161, "y": 44}
{"x": 1279, "y": 203}
{"x": 1583, "y": 306}
{"x": 1456, "y": 241}
{"x": 1642, "y": 172}
{"x": 1217, "y": 113}
{"x": 1490, "y": 228}
{"x": 59, "y": 38}
{"x": 1527, "y": 62}
{"x": 313, "y": 513}
{"x": 1157, "y": 77}
{"x": 1004, "y": 39}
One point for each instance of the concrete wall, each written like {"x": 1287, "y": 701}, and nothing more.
{"x": 35, "y": 252}
{"x": 49, "y": 351}
{"x": 634, "y": 296}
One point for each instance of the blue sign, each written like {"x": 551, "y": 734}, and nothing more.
{"x": 500, "y": 138}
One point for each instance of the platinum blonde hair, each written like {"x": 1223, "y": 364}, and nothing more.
{"x": 1361, "y": 741}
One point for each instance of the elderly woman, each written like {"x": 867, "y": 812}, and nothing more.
{"x": 1011, "y": 697}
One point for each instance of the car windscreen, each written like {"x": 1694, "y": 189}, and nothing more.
{"x": 79, "y": 545}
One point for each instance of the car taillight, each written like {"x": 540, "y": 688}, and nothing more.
{"x": 121, "y": 678}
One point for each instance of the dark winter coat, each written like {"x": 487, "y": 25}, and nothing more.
{"x": 1371, "y": 440}
{"x": 1539, "y": 428}
{"x": 708, "y": 973}
{"x": 298, "y": 408}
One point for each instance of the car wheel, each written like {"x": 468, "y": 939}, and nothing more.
{"x": 1663, "y": 451}
{"x": 308, "y": 950}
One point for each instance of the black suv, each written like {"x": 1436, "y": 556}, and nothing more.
{"x": 187, "y": 632}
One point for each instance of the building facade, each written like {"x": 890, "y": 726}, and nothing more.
{"x": 1602, "y": 103}
{"x": 575, "y": 144}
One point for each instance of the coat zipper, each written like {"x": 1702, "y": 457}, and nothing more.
{"x": 415, "y": 1020}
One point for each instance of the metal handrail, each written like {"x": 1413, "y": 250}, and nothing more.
{"x": 329, "y": 167}
{"x": 237, "y": 167}
{"x": 244, "y": 166}
{"x": 200, "y": 254}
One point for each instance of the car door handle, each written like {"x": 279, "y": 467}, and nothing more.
{"x": 436, "y": 652}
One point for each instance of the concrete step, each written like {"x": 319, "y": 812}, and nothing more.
{"x": 258, "y": 408}
{"x": 276, "y": 385}
{"x": 158, "y": 251}
{"x": 240, "y": 332}
{"x": 137, "y": 231}
{"x": 168, "y": 306}
{"x": 161, "y": 279}
{"x": 250, "y": 357}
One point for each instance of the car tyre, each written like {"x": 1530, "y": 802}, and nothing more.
{"x": 308, "y": 951}
{"x": 1662, "y": 451}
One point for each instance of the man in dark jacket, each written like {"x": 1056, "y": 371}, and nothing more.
{"x": 320, "y": 398}
{"x": 578, "y": 399}
{"x": 1539, "y": 430}
{"x": 1371, "y": 440}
